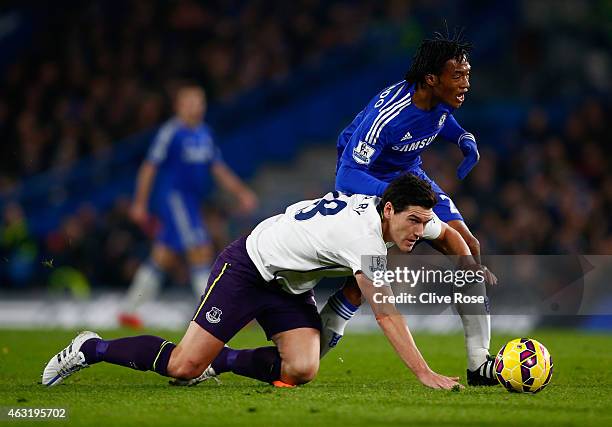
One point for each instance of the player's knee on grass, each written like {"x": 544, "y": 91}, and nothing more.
{"x": 194, "y": 353}
{"x": 299, "y": 371}
{"x": 184, "y": 366}
{"x": 299, "y": 352}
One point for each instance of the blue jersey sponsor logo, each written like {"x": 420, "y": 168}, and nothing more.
{"x": 196, "y": 153}
{"x": 415, "y": 145}
{"x": 184, "y": 155}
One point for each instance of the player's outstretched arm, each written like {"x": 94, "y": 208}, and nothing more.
{"x": 450, "y": 242}
{"x": 144, "y": 184}
{"x": 395, "y": 329}
{"x": 232, "y": 183}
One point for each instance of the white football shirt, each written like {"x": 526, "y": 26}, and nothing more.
{"x": 337, "y": 235}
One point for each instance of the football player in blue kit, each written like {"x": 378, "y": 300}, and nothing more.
{"x": 180, "y": 161}
{"x": 385, "y": 140}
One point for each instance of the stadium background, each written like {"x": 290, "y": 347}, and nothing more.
{"x": 84, "y": 87}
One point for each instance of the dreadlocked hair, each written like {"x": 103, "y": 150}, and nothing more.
{"x": 433, "y": 53}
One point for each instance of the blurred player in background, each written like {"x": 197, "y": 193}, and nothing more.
{"x": 385, "y": 140}
{"x": 183, "y": 156}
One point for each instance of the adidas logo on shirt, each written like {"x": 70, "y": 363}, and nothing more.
{"x": 406, "y": 137}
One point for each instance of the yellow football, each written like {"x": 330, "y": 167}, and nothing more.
{"x": 523, "y": 365}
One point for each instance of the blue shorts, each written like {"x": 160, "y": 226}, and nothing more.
{"x": 236, "y": 294}
{"x": 445, "y": 208}
{"x": 181, "y": 223}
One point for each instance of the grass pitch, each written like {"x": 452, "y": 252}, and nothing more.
{"x": 362, "y": 382}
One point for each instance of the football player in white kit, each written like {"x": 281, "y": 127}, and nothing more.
{"x": 270, "y": 276}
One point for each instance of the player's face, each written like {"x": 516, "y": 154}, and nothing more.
{"x": 454, "y": 82}
{"x": 190, "y": 105}
{"x": 406, "y": 227}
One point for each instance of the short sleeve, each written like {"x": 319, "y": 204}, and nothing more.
{"x": 158, "y": 152}
{"x": 367, "y": 255}
{"x": 433, "y": 228}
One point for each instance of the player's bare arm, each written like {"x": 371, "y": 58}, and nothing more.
{"x": 232, "y": 183}
{"x": 144, "y": 184}
{"x": 397, "y": 332}
{"x": 450, "y": 242}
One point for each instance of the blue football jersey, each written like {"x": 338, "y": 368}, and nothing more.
{"x": 387, "y": 137}
{"x": 184, "y": 156}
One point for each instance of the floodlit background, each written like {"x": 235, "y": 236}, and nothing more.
{"x": 85, "y": 84}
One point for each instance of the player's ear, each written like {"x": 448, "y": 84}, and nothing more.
{"x": 432, "y": 80}
{"x": 388, "y": 210}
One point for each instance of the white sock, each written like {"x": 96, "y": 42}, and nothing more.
{"x": 199, "y": 279}
{"x": 334, "y": 318}
{"x": 145, "y": 286}
{"x": 476, "y": 326}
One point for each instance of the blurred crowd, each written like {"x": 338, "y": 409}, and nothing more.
{"x": 99, "y": 71}
{"x": 544, "y": 190}
{"x": 102, "y": 70}
{"x": 90, "y": 248}
{"x": 87, "y": 245}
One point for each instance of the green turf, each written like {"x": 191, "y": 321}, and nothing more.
{"x": 361, "y": 383}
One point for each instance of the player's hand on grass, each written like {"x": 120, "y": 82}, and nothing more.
{"x": 434, "y": 380}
